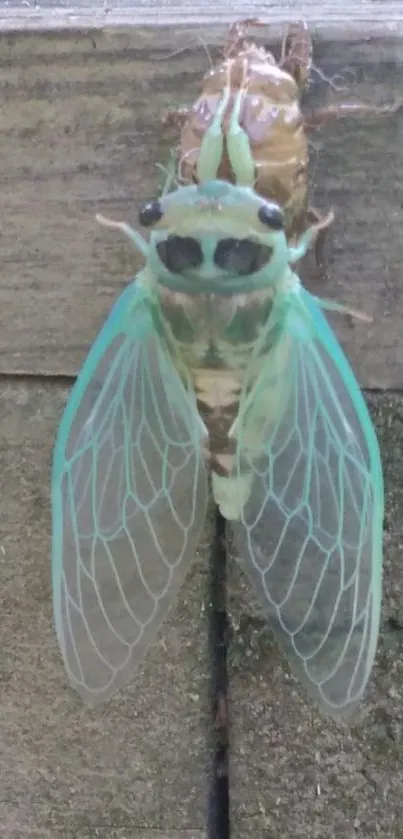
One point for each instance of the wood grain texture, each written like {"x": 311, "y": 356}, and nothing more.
{"x": 137, "y": 764}
{"x": 295, "y": 773}
{"x": 81, "y": 133}
{"x": 373, "y": 17}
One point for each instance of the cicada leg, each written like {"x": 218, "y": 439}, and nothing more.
{"x": 238, "y": 144}
{"x": 212, "y": 146}
{"x": 169, "y": 172}
{"x": 314, "y": 217}
{"x": 296, "y": 52}
{"x": 300, "y": 249}
{"x": 320, "y": 117}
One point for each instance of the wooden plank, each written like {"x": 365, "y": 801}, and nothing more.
{"x": 64, "y": 832}
{"x": 373, "y": 17}
{"x": 134, "y": 765}
{"x": 81, "y": 134}
{"x": 293, "y": 772}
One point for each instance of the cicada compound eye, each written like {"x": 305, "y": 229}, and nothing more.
{"x": 272, "y": 216}
{"x": 150, "y": 213}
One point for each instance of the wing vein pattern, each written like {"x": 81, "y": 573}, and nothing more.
{"x": 310, "y": 535}
{"x": 129, "y": 492}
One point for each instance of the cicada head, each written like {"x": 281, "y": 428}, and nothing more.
{"x": 216, "y": 238}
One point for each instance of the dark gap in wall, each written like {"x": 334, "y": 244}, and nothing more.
{"x": 218, "y": 826}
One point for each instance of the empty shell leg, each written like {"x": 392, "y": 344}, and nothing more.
{"x": 237, "y": 35}
{"x": 323, "y": 116}
{"x": 296, "y": 53}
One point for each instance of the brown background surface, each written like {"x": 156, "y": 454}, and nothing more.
{"x": 80, "y": 133}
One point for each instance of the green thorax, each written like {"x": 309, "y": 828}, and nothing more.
{"x": 216, "y": 332}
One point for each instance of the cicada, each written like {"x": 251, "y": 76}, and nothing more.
{"x": 250, "y": 114}
{"x": 216, "y": 363}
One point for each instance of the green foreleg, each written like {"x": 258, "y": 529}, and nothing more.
{"x": 212, "y": 147}
{"x": 238, "y": 145}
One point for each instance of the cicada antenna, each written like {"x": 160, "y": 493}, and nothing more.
{"x": 131, "y": 234}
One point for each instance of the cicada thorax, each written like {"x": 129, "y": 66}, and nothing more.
{"x": 213, "y": 339}
{"x": 271, "y": 117}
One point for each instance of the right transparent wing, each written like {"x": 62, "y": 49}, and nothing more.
{"x": 310, "y": 533}
{"x": 129, "y": 499}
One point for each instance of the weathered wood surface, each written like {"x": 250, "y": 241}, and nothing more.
{"x": 294, "y": 773}
{"x": 329, "y": 16}
{"x": 137, "y": 764}
{"x": 80, "y": 126}
{"x": 81, "y": 133}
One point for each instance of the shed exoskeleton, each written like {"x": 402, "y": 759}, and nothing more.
{"x": 248, "y": 127}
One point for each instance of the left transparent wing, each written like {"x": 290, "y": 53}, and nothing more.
{"x": 311, "y": 532}
{"x": 129, "y": 500}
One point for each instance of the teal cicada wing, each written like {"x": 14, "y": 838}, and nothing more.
{"x": 310, "y": 534}
{"x": 129, "y": 499}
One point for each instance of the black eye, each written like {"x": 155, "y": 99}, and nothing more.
{"x": 179, "y": 253}
{"x": 150, "y": 213}
{"x": 272, "y": 216}
{"x": 241, "y": 256}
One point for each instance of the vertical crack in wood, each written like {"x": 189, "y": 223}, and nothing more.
{"x": 218, "y": 805}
